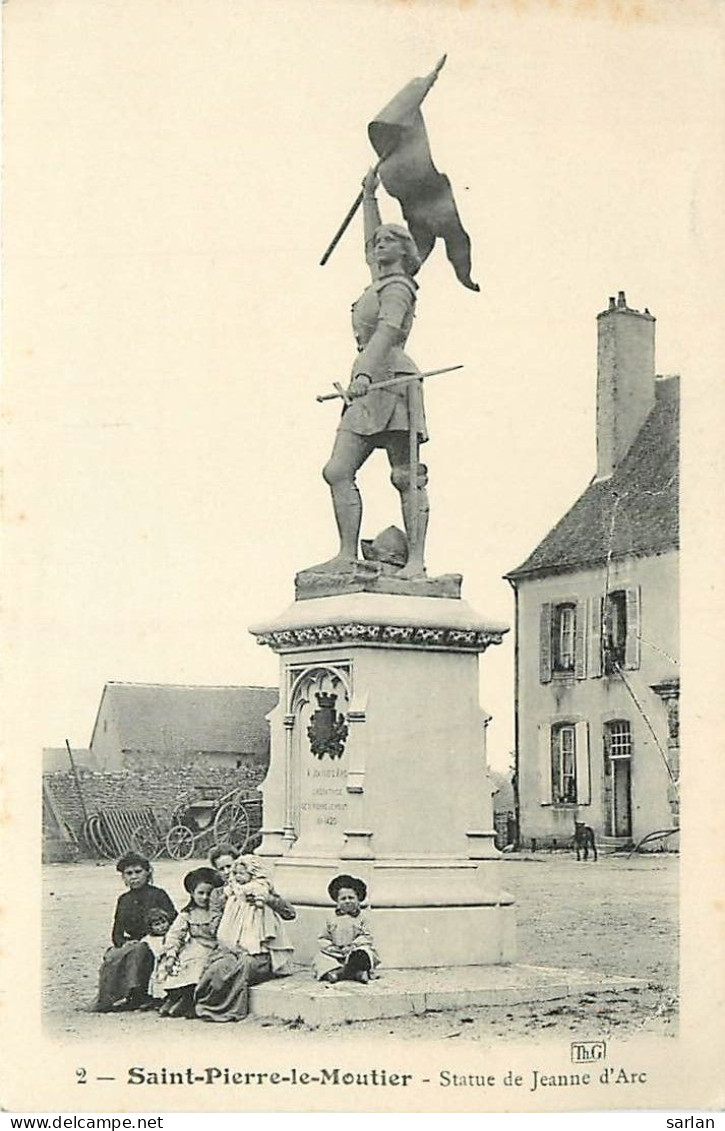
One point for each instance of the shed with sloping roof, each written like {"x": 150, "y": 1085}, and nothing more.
{"x": 162, "y": 723}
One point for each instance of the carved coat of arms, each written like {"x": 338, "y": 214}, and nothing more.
{"x": 327, "y": 731}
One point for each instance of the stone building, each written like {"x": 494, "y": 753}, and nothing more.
{"x": 158, "y": 746}
{"x": 597, "y": 671}
{"x": 140, "y": 723}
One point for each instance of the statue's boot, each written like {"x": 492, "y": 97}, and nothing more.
{"x": 347, "y": 505}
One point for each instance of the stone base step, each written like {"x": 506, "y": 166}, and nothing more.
{"x": 397, "y": 993}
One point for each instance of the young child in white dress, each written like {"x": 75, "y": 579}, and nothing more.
{"x": 158, "y": 922}
{"x": 248, "y": 922}
{"x": 347, "y": 950}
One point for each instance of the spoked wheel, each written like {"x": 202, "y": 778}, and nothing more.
{"x": 179, "y": 842}
{"x": 177, "y": 817}
{"x": 147, "y": 841}
{"x": 231, "y": 825}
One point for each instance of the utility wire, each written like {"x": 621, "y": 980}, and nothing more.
{"x": 613, "y": 518}
{"x": 643, "y": 713}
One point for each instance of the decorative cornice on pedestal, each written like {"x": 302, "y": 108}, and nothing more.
{"x": 381, "y": 621}
{"x": 386, "y": 635}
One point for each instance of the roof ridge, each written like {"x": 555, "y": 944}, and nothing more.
{"x": 182, "y": 717}
{"x": 195, "y": 686}
{"x": 642, "y": 491}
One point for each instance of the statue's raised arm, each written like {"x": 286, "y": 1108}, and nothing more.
{"x": 371, "y": 219}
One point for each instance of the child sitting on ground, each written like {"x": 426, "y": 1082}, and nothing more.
{"x": 347, "y": 951}
{"x": 248, "y": 921}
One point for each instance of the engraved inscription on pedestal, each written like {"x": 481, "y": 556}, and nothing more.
{"x": 325, "y": 804}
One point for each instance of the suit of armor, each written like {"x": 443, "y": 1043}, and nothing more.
{"x": 390, "y": 301}
{"x": 381, "y": 418}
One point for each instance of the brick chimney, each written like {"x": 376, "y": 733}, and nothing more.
{"x": 625, "y": 380}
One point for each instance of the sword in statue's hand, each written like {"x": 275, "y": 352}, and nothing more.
{"x": 340, "y": 393}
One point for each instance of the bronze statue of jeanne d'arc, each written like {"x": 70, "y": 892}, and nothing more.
{"x": 382, "y": 408}
{"x": 381, "y": 418}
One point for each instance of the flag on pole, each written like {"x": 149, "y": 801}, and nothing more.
{"x": 398, "y": 136}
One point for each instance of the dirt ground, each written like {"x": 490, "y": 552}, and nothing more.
{"x": 617, "y": 916}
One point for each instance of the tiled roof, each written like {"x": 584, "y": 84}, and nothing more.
{"x": 636, "y": 510}
{"x": 185, "y": 720}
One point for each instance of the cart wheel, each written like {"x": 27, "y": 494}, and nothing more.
{"x": 177, "y": 817}
{"x": 231, "y": 824}
{"x": 179, "y": 842}
{"x": 147, "y": 841}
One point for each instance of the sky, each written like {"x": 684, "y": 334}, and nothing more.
{"x": 173, "y": 174}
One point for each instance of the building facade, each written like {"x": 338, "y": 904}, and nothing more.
{"x": 151, "y": 723}
{"x": 597, "y": 650}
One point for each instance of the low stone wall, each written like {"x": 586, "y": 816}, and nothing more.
{"x": 163, "y": 787}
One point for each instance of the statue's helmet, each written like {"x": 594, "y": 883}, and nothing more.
{"x": 390, "y": 547}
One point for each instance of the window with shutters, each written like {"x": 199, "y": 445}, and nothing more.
{"x": 621, "y": 632}
{"x": 563, "y": 635}
{"x": 563, "y": 764}
{"x": 615, "y": 638}
{"x": 562, "y": 640}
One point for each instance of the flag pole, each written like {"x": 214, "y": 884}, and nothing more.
{"x": 347, "y": 221}
{"x": 431, "y": 78}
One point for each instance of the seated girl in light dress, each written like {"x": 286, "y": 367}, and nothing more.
{"x": 188, "y": 945}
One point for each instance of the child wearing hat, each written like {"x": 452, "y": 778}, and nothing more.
{"x": 347, "y": 951}
{"x": 187, "y": 946}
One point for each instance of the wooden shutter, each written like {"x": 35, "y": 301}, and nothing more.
{"x": 631, "y": 648}
{"x": 595, "y": 636}
{"x": 546, "y": 788}
{"x": 580, "y": 640}
{"x": 583, "y": 774}
{"x": 545, "y": 643}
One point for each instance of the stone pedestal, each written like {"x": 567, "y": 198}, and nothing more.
{"x": 378, "y": 770}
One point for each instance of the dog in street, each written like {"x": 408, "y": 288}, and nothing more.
{"x": 584, "y": 840}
